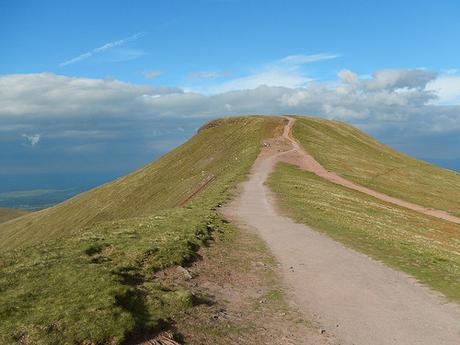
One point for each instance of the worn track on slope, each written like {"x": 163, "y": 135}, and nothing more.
{"x": 359, "y": 300}
{"x": 299, "y": 157}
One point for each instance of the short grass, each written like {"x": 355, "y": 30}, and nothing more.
{"x": 96, "y": 286}
{"x": 354, "y": 155}
{"x": 71, "y": 276}
{"x": 220, "y": 154}
{"x": 425, "y": 247}
{"x": 7, "y": 214}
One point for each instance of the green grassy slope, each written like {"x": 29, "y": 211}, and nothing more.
{"x": 425, "y": 247}
{"x": 354, "y": 155}
{"x": 93, "y": 282}
{"x": 7, "y": 214}
{"x": 221, "y": 151}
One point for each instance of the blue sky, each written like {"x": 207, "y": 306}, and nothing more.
{"x": 105, "y": 86}
{"x": 184, "y": 36}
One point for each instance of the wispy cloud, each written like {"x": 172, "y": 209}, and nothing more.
{"x": 208, "y": 74}
{"x": 149, "y": 75}
{"x": 302, "y": 59}
{"x": 285, "y": 72}
{"x": 102, "y": 49}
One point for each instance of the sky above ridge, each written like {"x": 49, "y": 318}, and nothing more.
{"x": 103, "y": 87}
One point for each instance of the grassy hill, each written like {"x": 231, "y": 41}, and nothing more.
{"x": 425, "y": 247}
{"x": 356, "y": 156}
{"x": 82, "y": 272}
{"x": 219, "y": 154}
{"x": 7, "y": 214}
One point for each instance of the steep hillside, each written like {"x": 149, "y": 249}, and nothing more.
{"x": 355, "y": 156}
{"x": 88, "y": 271}
{"x": 220, "y": 153}
{"x": 7, "y": 214}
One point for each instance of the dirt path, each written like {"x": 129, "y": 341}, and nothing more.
{"x": 359, "y": 300}
{"x": 299, "y": 157}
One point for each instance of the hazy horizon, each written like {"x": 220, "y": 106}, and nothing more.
{"x": 84, "y": 101}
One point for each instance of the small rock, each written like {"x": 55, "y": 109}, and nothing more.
{"x": 185, "y": 272}
{"x": 322, "y": 331}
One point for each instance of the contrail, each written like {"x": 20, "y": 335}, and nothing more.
{"x": 102, "y": 49}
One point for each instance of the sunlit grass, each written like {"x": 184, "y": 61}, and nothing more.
{"x": 352, "y": 154}
{"x": 71, "y": 276}
{"x": 425, "y": 247}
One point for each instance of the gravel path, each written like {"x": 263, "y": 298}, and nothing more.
{"x": 357, "y": 299}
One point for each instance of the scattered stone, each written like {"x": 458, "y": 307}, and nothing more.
{"x": 219, "y": 315}
{"x": 166, "y": 338}
{"x": 322, "y": 331}
{"x": 185, "y": 272}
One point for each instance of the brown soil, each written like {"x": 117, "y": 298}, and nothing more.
{"x": 239, "y": 298}
{"x": 358, "y": 300}
{"x": 239, "y": 279}
{"x": 299, "y": 157}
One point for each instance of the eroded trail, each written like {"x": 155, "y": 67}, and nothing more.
{"x": 299, "y": 157}
{"x": 359, "y": 300}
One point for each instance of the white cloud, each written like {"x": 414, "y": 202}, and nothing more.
{"x": 285, "y": 72}
{"x": 447, "y": 87}
{"x": 208, "y": 75}
{"x": 149, "y": 75}
{"x": 102, "y": 49}
{"x": 347, "y": 76}
{"x": 302, "y": 59}
{"x": 33, "y": 139}
{"x": 108, "y": 118}
{"x": 269, "y": 77}
{"x": 49, "y": 95}
{"x": 109, "y": 108}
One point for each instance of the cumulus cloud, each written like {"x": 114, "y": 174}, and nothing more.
{"x": 447, "y": 87}
{"x": 120, "y": 118}
{"x": 387, "y": 96}
{"x": 48, "y": 95}
{"x": 32, "y": 139}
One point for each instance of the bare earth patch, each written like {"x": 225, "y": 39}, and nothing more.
{"x": 239, "y": 298}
